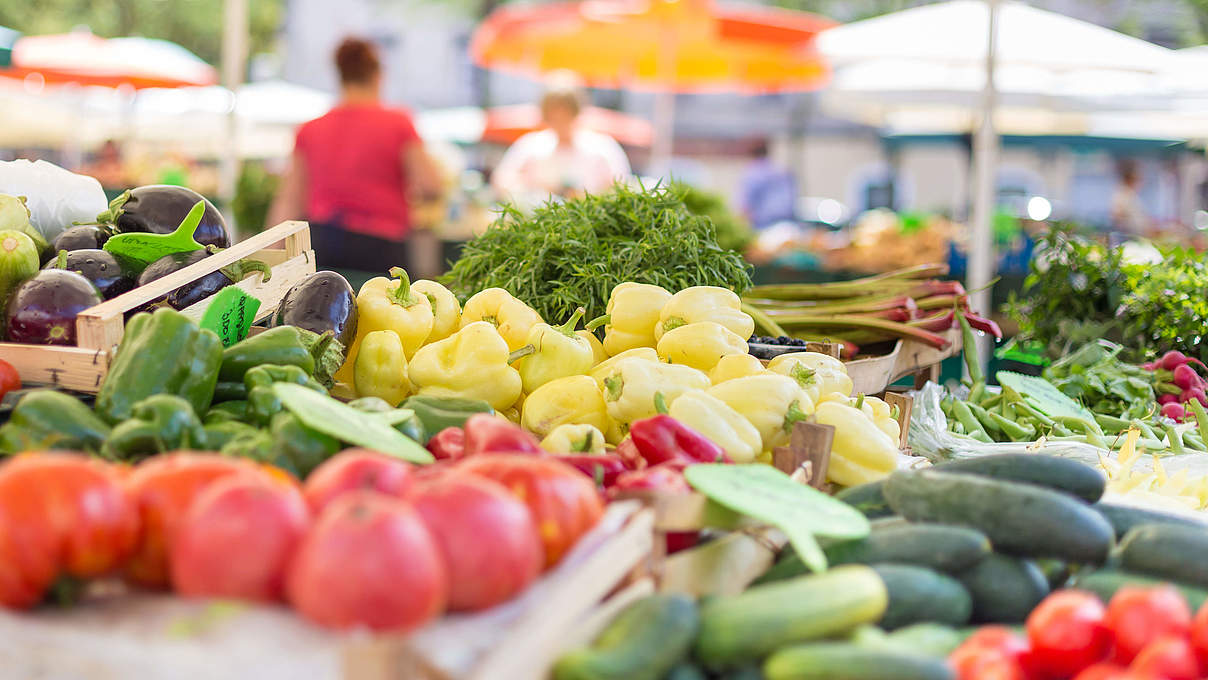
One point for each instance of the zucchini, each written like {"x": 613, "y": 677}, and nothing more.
{"x": 643, "y": 642}
{"x": 917, "y": 594}
{"x": 932, "y": 639}
{"x": 1105, "y": 583}
{"x": 936, "y": 546}
{"x": 1019, "y": 519}
{"x": 1123, "y": 518}
{"x": 744, "y": 628}
{"x": 847, "y": 661}
{"x": 1167, "y": 551}
{"x": 1050, "y": 472}
{"x": 1004, "y": 589}
{"x": 868, "y": 498}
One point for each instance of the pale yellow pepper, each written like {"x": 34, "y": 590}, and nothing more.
{"x": 631, "y": 387}
{"x": 571, "y": 438}
{"x": 604, "y": 368}
{"x": 497, "y": 307}
{"x": 700, "y": 345}
{"x": 471, "y": 363}
{"x": 720, "y": 423}
{"x": 773, "y": 403}
{"x": 553, "y": 352}
{"x": 598, "y": 355}
{"x": 734, "y": 366}
{"x": 385, "y": 304}
{"x": 381, "y": 368}
{"x": 633, "y": 310}
{"x": 818, "y": 373}
{"x": 705, "y": 303}
{"x": 446, "y": 310}
{"x": 860, "y": 452}
{"x": 881, "y": 414}
{"x": 573, "y": 399}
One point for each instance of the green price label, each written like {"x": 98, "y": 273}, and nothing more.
{"x": 147, "y": 248}
{"x": 230, "y": 315}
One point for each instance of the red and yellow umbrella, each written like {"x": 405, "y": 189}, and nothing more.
{"x": 506, "y": 124}
{"x": 85, "y": 59}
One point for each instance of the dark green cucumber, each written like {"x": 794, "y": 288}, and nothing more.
{"x": 1019, "y": 519}
{"x": 847, "y": 661}
{"x": 1055, "y": 572}
{"x": 868, "y": 498}
{"x": 686, "y": 671}
{"x": 1004, "y": 589}
{"x": 936, "y": 546}
{"x": 1105, "y": 583}
{"x": 753, "y": 672}
{"x": 1051, "y": 472}
{"x": 1167, "y": 551}
{"x": 644, "y": 642}
{"x": 918, "y": 594}
{"x": 1124, "y": 518}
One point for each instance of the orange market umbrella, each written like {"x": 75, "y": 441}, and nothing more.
{"x": 85, "y": 59}
{"x": 505, "y": 124}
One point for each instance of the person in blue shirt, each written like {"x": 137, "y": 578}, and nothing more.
{"x": 768, "y": 192}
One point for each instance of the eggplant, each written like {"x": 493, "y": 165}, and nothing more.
{"x": 110, "y": 275}
{"x": 160, "y": 208}
{"x": 42, "y": 311}
{"x": 198, "y": 289}
{"x": 81, "y": 237}
{"x": 323, "y": 301}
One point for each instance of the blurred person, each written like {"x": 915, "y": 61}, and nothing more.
{"x": 564, "y": 159}
{"x": 768, "y": 192}
{"x": 1127, "y": 214}
{"x": 108, "y": 168}
{"x": 356, "y": 170}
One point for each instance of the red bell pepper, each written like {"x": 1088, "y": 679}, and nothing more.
{"x": 668, "y": 477}
{"x": 661, "y": 439}
{"x": 491, "y": 434}
{"x": 448, "y": 444}
{"x": 603, "y": 468}
{"x": 628, "y": 452}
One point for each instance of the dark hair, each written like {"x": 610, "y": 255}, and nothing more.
{"x": 759, "y": 149}
{"x": 357, "y": 61}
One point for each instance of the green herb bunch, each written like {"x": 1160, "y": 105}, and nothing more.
{"x": 570, "y": 254}
{"x": 1166, "y": 305}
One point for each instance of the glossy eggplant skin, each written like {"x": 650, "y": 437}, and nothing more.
{"x": 323, "y": 301}
{"x": 110, "y": 276}
{"x": 80, "y": 237}
{"x": 160, "y": 208}
{"x": 42, "y": 311}
{"x": 186, "y": 295}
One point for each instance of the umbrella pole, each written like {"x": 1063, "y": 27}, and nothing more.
{"x": 234, "y": 59}
{"x": 664, "y": 132}
{"x": 985, "y": 154}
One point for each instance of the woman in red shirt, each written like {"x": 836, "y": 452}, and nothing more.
{"x": 355, "y": 171}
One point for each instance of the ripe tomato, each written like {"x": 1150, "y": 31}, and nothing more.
{"x": 369, "y": 561}
{"x": 1199, "y": 635}
{"x": 1138, "y": 616}
{"x": 356, "y": 469}
{"x": 162, "y": 489}
{"x": 1169, "y": 657}
{"x": 237, "y": 539}
{"x": 563, "y": 502}
{"x": 9, "y": 379}
{"x": 486, "y": 537}
{"x": 1103, "y": 671}
{"x": 1068, "y": 633}
{"x": 991, "y": 652}
{"x": 29, "y": 549}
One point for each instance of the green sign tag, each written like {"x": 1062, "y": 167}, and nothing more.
{"x": 1043, "y": 395}
{"x": 230, "y": 314}
{"x": 147, "y": 248}
{"x": 767, "y": 494}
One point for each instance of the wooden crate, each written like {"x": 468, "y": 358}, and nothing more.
{"x": 872, "y": 375}
{"x": 99, "y": 329}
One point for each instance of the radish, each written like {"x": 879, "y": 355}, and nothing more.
{"x": 1197, "y": 393}
{"x": 1185, "y": 377}
{"x": 1174, "y": 411}
{"x": 1152, "y": 365}
{"x": 1172, "y": 360}
{"x": 1167, "y": 398}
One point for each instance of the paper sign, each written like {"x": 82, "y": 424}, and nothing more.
{"x": 769, "y": 495}
{"x": 230, "y": 314}
{"x": 147, "y": 248}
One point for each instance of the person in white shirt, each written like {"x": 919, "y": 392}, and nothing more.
{"x": 564, "y": 159}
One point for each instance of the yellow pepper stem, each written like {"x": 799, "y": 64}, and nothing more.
{"x": 598, "y": 321}
{"x": 804, "y": 376}
{"x": 860, "y": 400}
{"x": 586, "y": 443}
{"x": 402, "y": 295}
{"x": 673, "y": 323}
{"x": 793, "y": 415}
{"x": 568, "y": 328}
{"x": 660, "y": 403}
{"x": 521, "y": 353}
{"x": 613, "y": 385}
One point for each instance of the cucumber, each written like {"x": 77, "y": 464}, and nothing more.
{"x": 1123, "y": 518}
{"x": 1019, "y": 519}
{"x": 936, "y": 546}
{"x": 1004, "y": 589}
{"x": 847, "y": 661}
{"x": 932, "y": 639}
{"x": 686, "y": 671}
{"x": 1167, "y": 551}
{"x": 1051, "y": 472}
{"x": 917, "y": 594}
{"x": 744, "y": 628}
{"x": 752, "y": 672}
{"x": 1105, "y": 583}
{"x": 868, "y": 498}
{"x": 643, "y": 642}
{"x": 1055, "y": 572}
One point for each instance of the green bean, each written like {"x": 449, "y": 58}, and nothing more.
{"x": 1012, "y": 429}
{"x": 1061, "y": 430}
{"x": 1176, "y": 440}
{"x": 975, "y": 394}
{"x": 1027, "y": 408}
{"x": 1079, "y": 424}
{"x": 991, "y": 400}
{"x": 1201, "y": 417}
{"x": 1094, "y": 439}
{"x": 1146, "y": 431}
{"x": 982, "y": 437}
{"x": 984, "y": 417}
{"x": 961, "y": 410}
{"x": 972, "y": 361}
{"x": 1112, "y": 423}
{"x": 1192, "y": 440}
{"x": 957, "y": 428}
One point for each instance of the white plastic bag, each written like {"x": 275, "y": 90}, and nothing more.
{"x": 56, "y": 197}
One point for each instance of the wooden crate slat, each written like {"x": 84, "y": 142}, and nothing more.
{"x": 74, "y": 368}
{"x": 269, "y": 293}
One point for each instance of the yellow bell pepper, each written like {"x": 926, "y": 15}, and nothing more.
{"x": 598, "y": 355}
{"x": 570, "y": 438}
{"x": 771, "y": 402}
{"x": 860, "y": 452}
{"x": 471, "y": 363}
{"x": 496, "y": 306}
{"x": 704, "y": 303}
{"x": 632, "y": 384}
{"x": 724, "y": 426}
{"x": 834, "y": 396}
{"x": 734, "y": 366}
{"x": 817, "y": 373}
{"x": 446, "y": 310}
{"x": 553, "y": 352}
{"x": 616, "y": 432}
{"x": 604, "y": 368}
{"x": 381, "y": 368}
{"x": 633, "y": 310}
{"x": 573, "y": 399}
{"x": 881, "y": 414}
{"x": 700, "y": 345}
{"x": 385, "y": 304}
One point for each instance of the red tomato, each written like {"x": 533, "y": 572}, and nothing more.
{"x": 1199, "y": 635}
{"x": 1103, "y": 671}
{"x": 9, "y": 379}
{"x": 1068, "y": 633}
{"x": 162, "y": 488}
{"x": 356, "y": 469}
{"x": 369, "y": 561}
{"x": 486, "y": 537}
{"x": 1169, "y": 657}
{"x": 29, "y": 549}
{"x": 563, "y": 502}
{"x": 237, "y": 539}
{"x": 1138, "y": 616}
{"x": 992, "y": 650}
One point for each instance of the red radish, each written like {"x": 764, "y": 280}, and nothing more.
{"x": 1164, "y": 399}
{"x": 1153, "y": 365}
{"x": 1174, "y": 411}
{"x": 1193, "y": 393}
{"x": 1172, "y": 360}
{"x": 1185, "y": 377}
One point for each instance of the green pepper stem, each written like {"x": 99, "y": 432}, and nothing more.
{"x": 321, "y": 344}
{"x": 115, "y": 209}
{"x": 568, "y": 328}
{"x": 61, "y": 260}
{"x": 585, "y": 445}
{"x": 860, "y": 401}
{"x": 521, "y": 353}
{"x": 673, "y": 323}
{"x": 598, "y": 321}
{"x": 660, "y": 403}
{"x": 613, "y": 385}
{"x": 402, "y": 294}
{"x": 804, "y": 376}
{"x": 241, "y": 269}
{"x": 792, "y": 415}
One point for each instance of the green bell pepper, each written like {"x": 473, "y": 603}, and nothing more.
{"x": 318, "y": 355}
{"x": 437, "y": 413}
{"x": 161, "y": 422}
{"x": 227, "y": 390}
{"x": 299, "y": 449}
{"x": 256, "y": 445}
{"x": 226, "y": 411}
{"x": 403, "y": 420}
{"x": 262, "y": 403}
{"x": 48, "y": 419}
{"x": 218, "y": 435}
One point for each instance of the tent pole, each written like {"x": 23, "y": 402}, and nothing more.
{"x": 985, "y": 153}
{"x": 664, "y": 132}
{"x": 234, "y": 61}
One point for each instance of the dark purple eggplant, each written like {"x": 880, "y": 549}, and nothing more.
{"x": 198, "y": 289}
{"x": 109, "y": 274}
{"x": 323, "y": 301}
{"x": 42, "y": 311}
{"x": 80, "y": 237}
{"x": 160, "y": 208}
